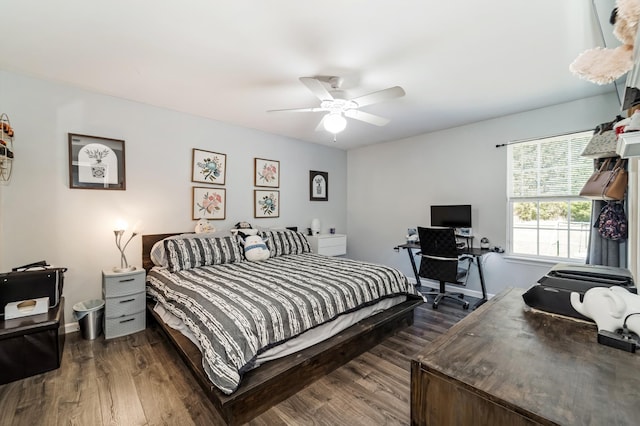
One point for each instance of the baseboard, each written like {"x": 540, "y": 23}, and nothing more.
{"x": 71, "y": 327}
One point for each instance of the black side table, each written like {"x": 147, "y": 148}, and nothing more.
{"x": 31, "y": 345}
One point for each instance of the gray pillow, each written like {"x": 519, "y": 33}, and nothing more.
{"x": 188, "y": 253}
{"x": 281, "y": 243}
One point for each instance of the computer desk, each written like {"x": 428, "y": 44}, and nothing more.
{"x": 476, "y": 253}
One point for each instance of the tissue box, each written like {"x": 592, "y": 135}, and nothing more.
{"x": 25, "y": 308}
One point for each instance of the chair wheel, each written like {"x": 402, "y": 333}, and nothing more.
{"x": 466, "y": 305}
{"x": 435, "y": 305}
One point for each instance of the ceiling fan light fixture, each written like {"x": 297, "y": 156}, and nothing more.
{"x": 334, "y": 122}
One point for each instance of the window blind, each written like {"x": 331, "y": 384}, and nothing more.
{"x": 549, "y": 167}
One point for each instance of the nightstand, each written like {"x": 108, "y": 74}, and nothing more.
{"x": 124, "y": 295}
{"x": 328, "y": 244}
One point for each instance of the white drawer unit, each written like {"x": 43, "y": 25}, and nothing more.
{"x": 124, "y": 295}
{"x": 328, "y": 244}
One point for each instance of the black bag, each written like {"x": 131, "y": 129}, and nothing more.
{"x": 612, "y": 222}
{"x": 24, "y": 284}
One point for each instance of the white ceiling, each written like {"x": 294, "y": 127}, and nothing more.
{"x": 458, "y": 61}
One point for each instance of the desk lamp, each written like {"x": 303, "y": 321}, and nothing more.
{"x": 121, "y": 227}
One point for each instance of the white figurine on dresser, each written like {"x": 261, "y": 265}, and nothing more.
{"x": 124, "y": 294}
{"x": 610, "y": 307}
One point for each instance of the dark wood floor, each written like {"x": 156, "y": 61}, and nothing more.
{"x": 140, "y": 380}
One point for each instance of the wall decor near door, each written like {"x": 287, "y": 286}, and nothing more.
{"x": 6, "y": 147}
{"x": 96, "y": 163}
{"x": 209, "y": 203}
{"x": 266, "y": 203}
{"x": 266, "y": 173}
{"x": 208, "y": 167}
{"x": 318, "y": 186}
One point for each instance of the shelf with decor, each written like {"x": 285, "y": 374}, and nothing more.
{"x": 6, "y": 147}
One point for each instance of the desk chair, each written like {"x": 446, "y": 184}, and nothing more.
{"x": 440, "y": 262}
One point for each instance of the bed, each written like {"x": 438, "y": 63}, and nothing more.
{"x": 235, "y": 312}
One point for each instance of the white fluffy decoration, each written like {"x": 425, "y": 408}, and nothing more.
{"x": 604, "y": 66}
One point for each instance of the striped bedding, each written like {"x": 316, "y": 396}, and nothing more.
{"x": 238, "y": 310}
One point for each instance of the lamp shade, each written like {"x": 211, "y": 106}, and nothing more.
{"x": 315, "y": 226}
{"x": 334, "y": 122}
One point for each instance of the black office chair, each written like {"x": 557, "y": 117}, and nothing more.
{"x": 440, "y": 262}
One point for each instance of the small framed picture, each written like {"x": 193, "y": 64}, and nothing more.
{"x": 464, "y": 232}
{"x": 266, "y": 173}
{"x": 96, "y": 163}
{"x": 266, "y": 203}
{"x": 208, "y": 167}
{"x": 209, "y": 203}
{"x": 318, "y": 186}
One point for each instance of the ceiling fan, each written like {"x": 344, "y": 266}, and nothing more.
{"x": 333, "y": 101}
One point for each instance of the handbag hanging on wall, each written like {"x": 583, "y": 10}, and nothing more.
{"x": 607, "y": 183}
{"x": 604, "y": 140}
{"x": 612, "y": 222}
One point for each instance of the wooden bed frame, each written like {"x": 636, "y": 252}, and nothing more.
{"x": 275, "y": 381}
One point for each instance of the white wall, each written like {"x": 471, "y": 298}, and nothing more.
{"x": 42, "y": 218}
{"x": 392, "y": 185}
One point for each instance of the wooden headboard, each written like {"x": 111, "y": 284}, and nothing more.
{"x": 147, "y": 243}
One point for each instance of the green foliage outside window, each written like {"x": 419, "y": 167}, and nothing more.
{"x": 528, "y": 211}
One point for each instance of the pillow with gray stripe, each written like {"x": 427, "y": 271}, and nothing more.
{"x": 281, "y": 243}
{"x": 190, "y": 253}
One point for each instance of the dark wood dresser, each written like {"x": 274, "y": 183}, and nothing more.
{"x": 506, "y": 364}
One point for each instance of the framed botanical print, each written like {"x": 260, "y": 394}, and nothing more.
{"x": 266, "y": 173}
{"x": 266, "y": 203}
{"x": 209, "y": 203}
{"x": 208, "y": 167}
{"x": 96, "y": 163}
{"x": 318, "y": 186}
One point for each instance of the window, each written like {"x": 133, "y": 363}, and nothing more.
{"x": 547, "y": 216}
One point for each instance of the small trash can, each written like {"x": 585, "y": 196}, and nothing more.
{"x": 89, "y": 315}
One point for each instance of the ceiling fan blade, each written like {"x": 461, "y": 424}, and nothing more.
{"x": 379, "y": 96}
{"x": 317, "y": 88}
{"x": 317, "y": 109}
{"x": 320, "y": 126}
{"x": 376, "y": 120}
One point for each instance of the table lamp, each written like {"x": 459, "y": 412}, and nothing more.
{"x": 121, "y": 227}
{"x": 315, "y": 226}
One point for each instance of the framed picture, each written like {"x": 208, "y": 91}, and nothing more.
{"x": 209, "y": 203}
{"x": 96, "y": 163}
{"x": 267, "y": 173}
{"x": 318, "y": 186}
{"x": 208, "y": 167}
{"x": 266, "y": 203}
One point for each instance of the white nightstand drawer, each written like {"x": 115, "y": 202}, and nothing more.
{"x": 332, "y": 241}
{"x": 329, "y": 244}
{"x": 116, "y": 327}
{"x": 122, "y": 284}
{"x": 124, "y": 305}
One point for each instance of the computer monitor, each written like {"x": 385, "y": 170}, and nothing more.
{"x": 458, "y": 216}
